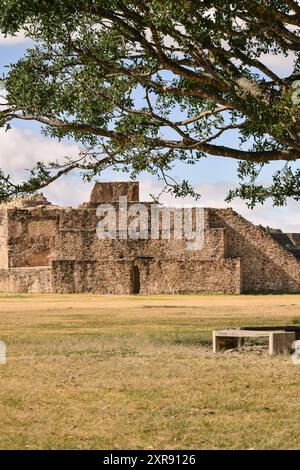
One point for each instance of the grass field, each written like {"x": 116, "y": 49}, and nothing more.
{"x": 88, "y": 372}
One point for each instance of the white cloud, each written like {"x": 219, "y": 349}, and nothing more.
{"x": 279, "y": 64}
{"x": 10, "y": 40}
{"x": 69, "y": 191}
{"x": 21, "y": 148}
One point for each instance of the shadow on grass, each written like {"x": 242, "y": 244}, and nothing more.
{"x": 182, "y": 339}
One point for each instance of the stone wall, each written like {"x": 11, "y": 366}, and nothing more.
{"x": 290, "y": 241}
{"x": 266, "y": 266}
{"x": 47, "y": 248}
{"x": 31, "y": 236}
{"x": 77, "y": 239}
{"x": 3, "y": 239}
{"x": 155, "y": 276}
{"x": 33, "y": 280}
{"x": 98, "y": 277}
{"x": 189, "y": 276}
{"x": 111, "y": 191}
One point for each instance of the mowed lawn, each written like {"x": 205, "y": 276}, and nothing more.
{"x": 104, "y": 372}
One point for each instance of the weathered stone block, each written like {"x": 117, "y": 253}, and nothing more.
{"x": 110, "y": 192}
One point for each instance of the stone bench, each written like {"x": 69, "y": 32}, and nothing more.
{"x": 279, "y": 341}
{"x": 287, "y": 328}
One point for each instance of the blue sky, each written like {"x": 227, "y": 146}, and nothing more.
{"x": 21, "y": 147}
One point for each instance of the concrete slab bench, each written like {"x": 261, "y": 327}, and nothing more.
{"x": 294, "y": 328}
{"x": 279, "y": 341}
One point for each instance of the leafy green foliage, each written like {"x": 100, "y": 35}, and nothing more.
{"x": 142, "y": 85}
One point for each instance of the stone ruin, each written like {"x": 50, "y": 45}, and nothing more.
{"x": 46, "y": 248}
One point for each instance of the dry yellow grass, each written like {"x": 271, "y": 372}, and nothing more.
{"x": 87, "y": 372}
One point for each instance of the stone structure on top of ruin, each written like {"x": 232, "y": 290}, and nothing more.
{"x": 46, "y": 248}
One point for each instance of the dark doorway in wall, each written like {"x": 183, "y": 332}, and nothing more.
{"x": 136, "y": 285}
